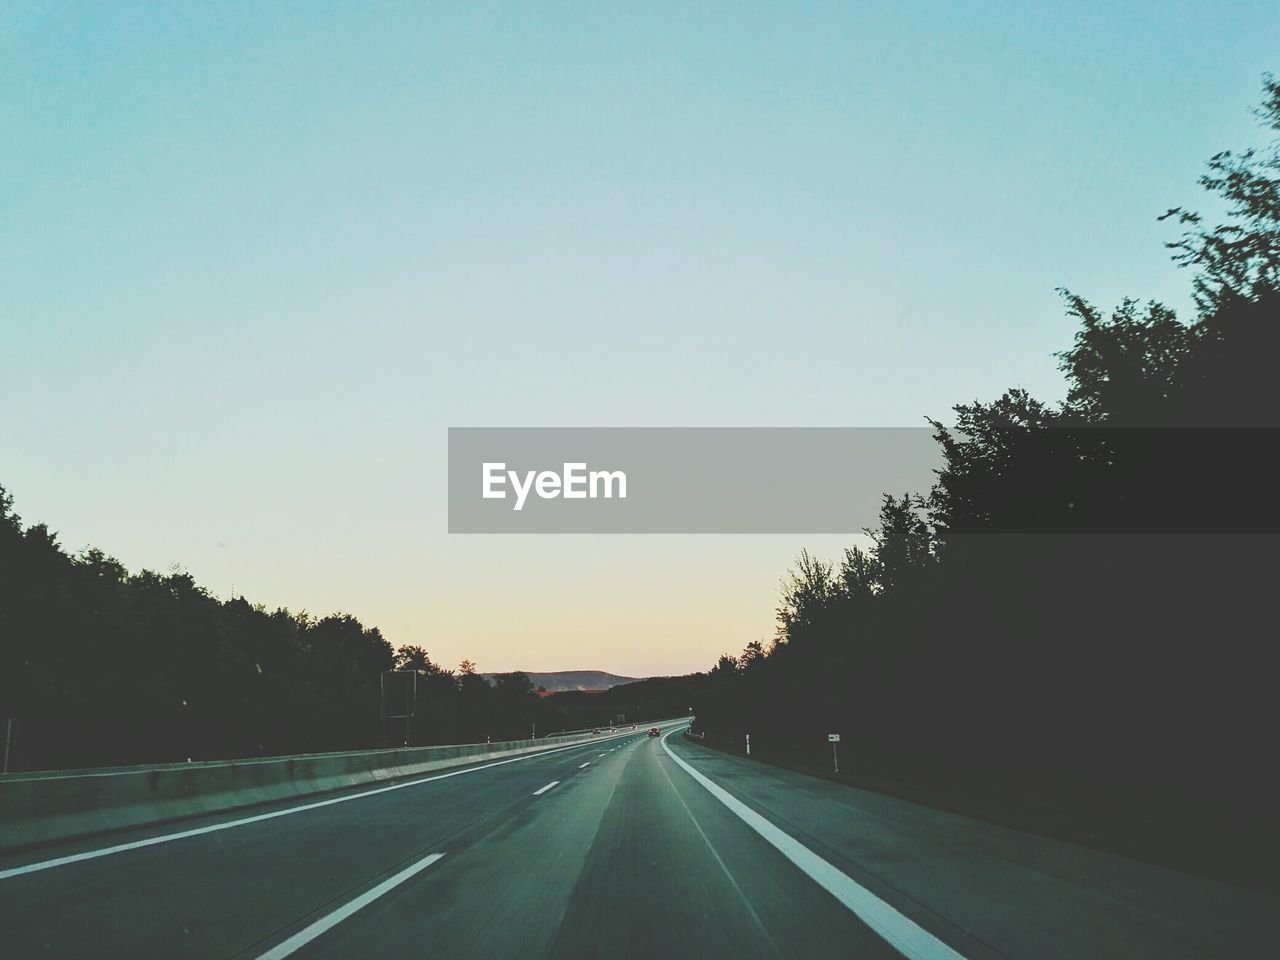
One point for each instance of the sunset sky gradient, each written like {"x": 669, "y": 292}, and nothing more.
{"x": 256, "y": 258}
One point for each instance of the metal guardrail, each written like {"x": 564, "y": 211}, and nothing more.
{"x": 58, "y": 805}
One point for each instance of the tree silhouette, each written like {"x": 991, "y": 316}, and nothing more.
{"x": 1097, "y": 670}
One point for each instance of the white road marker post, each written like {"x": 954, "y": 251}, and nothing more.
{"x": 748, "y": 744}
{"x": 834, "y": 738}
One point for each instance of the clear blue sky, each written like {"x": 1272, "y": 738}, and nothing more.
{"x": 255, "y": 258}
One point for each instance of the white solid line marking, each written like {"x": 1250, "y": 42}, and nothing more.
{"x": 258, "y": 818}
{"x": 587, "y": 764}
{"x": 539, "y": 792}
{"x": 328, "y": 922}
{"x": 902, "y": 933}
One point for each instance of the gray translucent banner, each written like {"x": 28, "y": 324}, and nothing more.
{"x": 682, "y": 480}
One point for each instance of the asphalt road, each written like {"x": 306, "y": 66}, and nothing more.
{"x": 635, "y": 847}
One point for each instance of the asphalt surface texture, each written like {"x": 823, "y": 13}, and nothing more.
{"x": 631, "y": 846}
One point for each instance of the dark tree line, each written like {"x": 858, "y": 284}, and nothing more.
{"x": 1108, "y": 657}
{"x": 462, "y": 706}
{"x": 100, "y": 666}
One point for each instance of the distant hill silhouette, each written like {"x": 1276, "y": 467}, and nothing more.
{"x": 594, "y": 680}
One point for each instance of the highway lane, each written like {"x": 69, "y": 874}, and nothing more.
{"x": 633, "y": 860}
{"x": 993, "y": 891}
{"x": 617, "y": 850}
{"x": 566, "y": 854}
{"x": 220, "y": 893}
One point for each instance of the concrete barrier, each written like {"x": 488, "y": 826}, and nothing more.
{"x": 39, "y": 808}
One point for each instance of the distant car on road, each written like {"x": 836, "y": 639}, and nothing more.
{"x": 654, "y": 731}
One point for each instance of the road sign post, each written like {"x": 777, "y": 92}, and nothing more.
{"x": 8, "y": 742}
{"x": 833, "y": 739}
{"x": 400, "y": 698}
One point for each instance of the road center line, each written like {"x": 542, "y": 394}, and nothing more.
{"x": 258, "y": 818}
{"x": 587, "y": 764}
{"x": 541, "y": 790}
{"x": 746, "y": 902}
{"x": 329, "y": 921}
{"x": 902, "y": 933}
